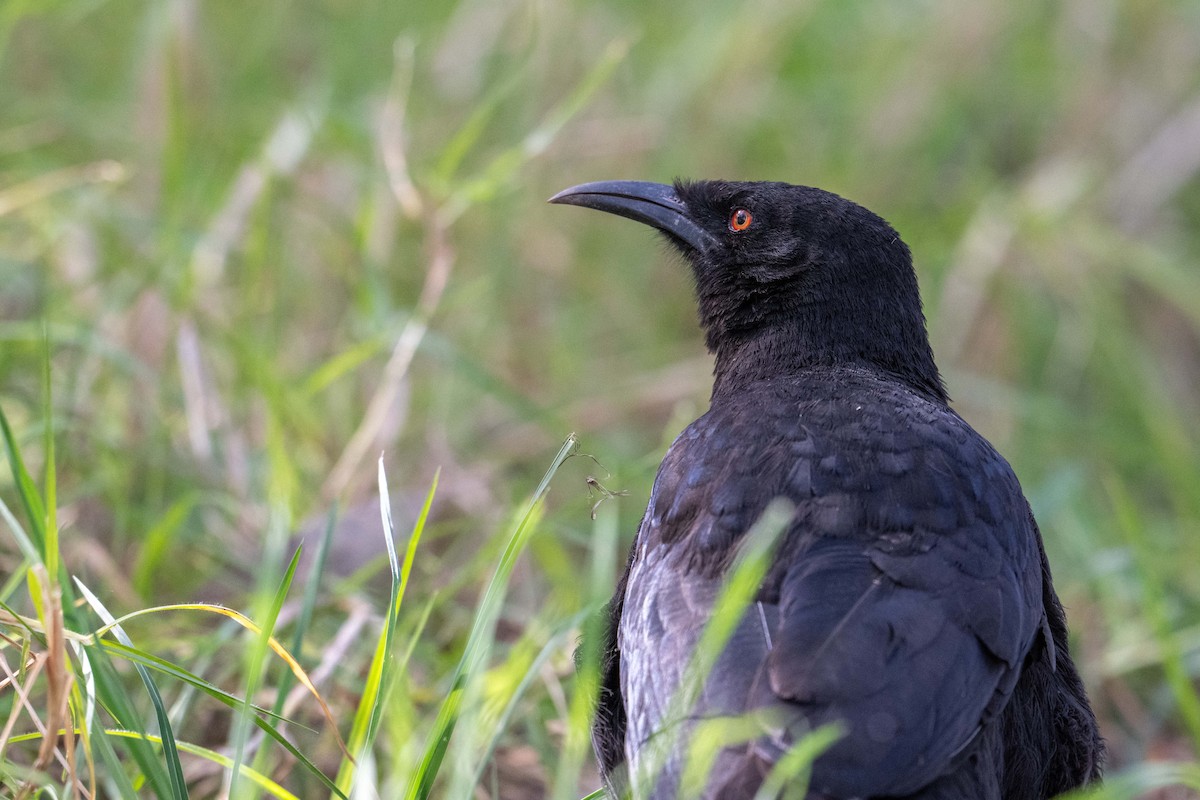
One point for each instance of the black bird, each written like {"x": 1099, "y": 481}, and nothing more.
{"x": 909, "y": 599}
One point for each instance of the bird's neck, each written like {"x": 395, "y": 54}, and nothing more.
{"x": 743, "y": 361}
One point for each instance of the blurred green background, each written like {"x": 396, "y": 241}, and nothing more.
{"x": 266, "y": 242}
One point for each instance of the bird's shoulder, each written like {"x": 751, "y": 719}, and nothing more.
{"x": 872, "y": 468}
{"x": 859, "y": 455}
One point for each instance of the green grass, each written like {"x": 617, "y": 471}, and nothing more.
{"x": 247, "y": 248}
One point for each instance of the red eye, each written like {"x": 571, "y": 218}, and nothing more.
{"x": 740, "y": 219}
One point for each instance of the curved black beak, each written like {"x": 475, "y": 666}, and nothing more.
{"x": 654, "y": 204}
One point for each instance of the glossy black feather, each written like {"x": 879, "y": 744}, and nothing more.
{"x": 909, "y": 600}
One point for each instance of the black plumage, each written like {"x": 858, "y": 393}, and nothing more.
{"x": 909, "y": 599}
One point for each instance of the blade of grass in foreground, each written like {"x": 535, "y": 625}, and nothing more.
{"x": 112, "y": 695}
{"x": 83, "y": 707}
{"x": 35, "y": 511}
{"x": 182, "y": 675}
{"x": 241, "y": 619}
{"x": 24, "y": 544}
{"x": 383, "y": 668}
{"x": 254, "y": 672}
{"x": 303, "y": 620}
{"x": 478, "y": 645}
{"x": 102, "y": 648}
{"x": 399, "y": 581}
{"x": 227, "y": 699}
{"x": 170, "y": 751}
{"x": 164, "y": 667}
{"x": 309, "y": 602}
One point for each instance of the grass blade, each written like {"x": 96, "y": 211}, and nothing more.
{"x": 399, "y": 582}
{"x": 480, "y": 639}
{"x": 141, "y": 657}
{"x": 254, "y": 670}
{"x": 35, "y": 510}
{"x": 383, "y": 665}
{"x": 178, "y": 786}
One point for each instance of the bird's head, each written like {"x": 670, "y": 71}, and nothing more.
{"x": 786, "y": 273}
